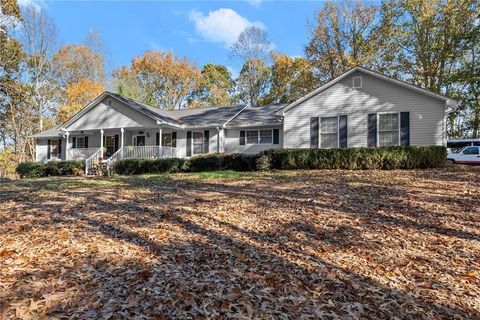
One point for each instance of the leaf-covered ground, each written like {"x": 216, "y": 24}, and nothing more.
{"x": 285, "y": 245}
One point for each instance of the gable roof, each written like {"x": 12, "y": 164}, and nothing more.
{"x": 449, "y": 102}
{"x": 157, "y": 115}
{"x": 50, "y": 133}
{"x": 202, "y": 117}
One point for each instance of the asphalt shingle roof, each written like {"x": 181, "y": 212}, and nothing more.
{"x": 238, "y": 115}
{"x": 256, "y": 116}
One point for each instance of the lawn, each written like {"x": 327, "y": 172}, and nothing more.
{"x": 282, "y": 245}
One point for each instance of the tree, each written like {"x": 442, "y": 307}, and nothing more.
{"x": 214, "y": 87}
{"x": 252, "y": 49}
{"x": 342, "y": 38}
{"x": 252, "y": 44}
{"x": 252, "y": 83}
{"x": 290, "y": 79}
{"x": 15, "y": 109}
{"x": 38, "y": 35}
{"x": 158, "y": 78}
{"x": 79, "y": 94}
{"x": 74, "y": 62}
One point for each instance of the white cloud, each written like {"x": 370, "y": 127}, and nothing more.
{"x": 255, "y": 3}
{"x": 222, "y": 25}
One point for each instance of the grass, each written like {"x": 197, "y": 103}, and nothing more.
{"x": 286, "y": 244}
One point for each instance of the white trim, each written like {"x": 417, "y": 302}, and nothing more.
{"x": 236, "y": 114}
{"x": 320, "y": 132}
{"x": 258, "y": 137}
{"x": 399, "y": 127}
{"x": 203, "y": 142}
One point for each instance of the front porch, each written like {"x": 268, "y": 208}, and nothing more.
{"x": 105, "y": 146}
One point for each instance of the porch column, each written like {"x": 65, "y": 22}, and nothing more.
{"x": 160, "y": 142}
{"x": 101, "y": 143}
{"x": 67, "y": 149}
{"x": 121, "y": 141}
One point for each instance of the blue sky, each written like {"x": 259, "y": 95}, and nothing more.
{"x": 199, "y": 30}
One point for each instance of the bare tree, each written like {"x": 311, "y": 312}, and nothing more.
{"x": 252, "y": 44}
{"x": 39, "y": 36}
{"x": 253, "y": 50}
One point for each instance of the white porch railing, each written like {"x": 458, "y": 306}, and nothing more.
{"x": 147, "y": 152}
{"x": 90, "y": 161}
{"x": 81, "y": 153}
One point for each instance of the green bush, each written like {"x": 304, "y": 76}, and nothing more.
{"x": 140, "y": 166}
{"x": 387, "y": 158}
{"x": 31, "y": 170}
{"x": 221, "y": 161}
{"x": 52, "y": 168}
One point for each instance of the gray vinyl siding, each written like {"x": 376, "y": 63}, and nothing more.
{"x": 41, "y": 150}
{"x": 118, "y": 115}
{"x": 376, "y": 96}
{"x": 232, "y": 141}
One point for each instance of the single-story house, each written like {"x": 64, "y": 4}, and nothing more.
{"x": 360, "y": 108}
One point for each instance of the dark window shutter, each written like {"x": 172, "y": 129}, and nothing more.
{"x": 74, "y": 142}
{"x": 372, "y": 130}
{"x": 157, "y": 138}
{"x": 59, "y": 156}
{"x": 242, "y": 138}
{"x": 314, "y": 131}
{"x": 343, "y": 132}
{"x": 189, "y": 143}
{"x": 405, "y": 129}
{"x": 276, "y": 136}
{"x": 174, "y": 139}
{"x": 49, "y": 148}
{"x": 104, "y": 141}
{"x": 116, "y": 142}
{"x": 206, "y": 141}
{"x": 86, "y": 142}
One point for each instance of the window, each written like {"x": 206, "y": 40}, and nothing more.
{"x": 252, "y": 137}
{"x": 266, "y": 137}
{"x": 357, "y": 82}
{"x": 80, "y": 142}
{"x": 329, "y": 132}
{"x": 471, "y": 150}
{"x": 197, "y": 142}
{"x": 388, "y": 129}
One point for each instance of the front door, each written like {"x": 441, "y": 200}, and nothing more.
{"x": 139, "y": 141}
{"x": 110, "y": 146}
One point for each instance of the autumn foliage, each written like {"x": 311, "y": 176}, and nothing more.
{"x": 78, "y": 95}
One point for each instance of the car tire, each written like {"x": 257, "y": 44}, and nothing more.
{"x": 451, "y": 161}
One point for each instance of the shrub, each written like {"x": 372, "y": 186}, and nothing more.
{"x": 219, "y": 161}
{"x": 64, "y": 168}
{"x": 52, "y": 168}
{"x": 140, "y": 166}
{"x": 31, "y": 170}
{"x": 354, "y": 158}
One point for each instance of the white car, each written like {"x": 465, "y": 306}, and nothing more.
{"x": 468, "y": 155}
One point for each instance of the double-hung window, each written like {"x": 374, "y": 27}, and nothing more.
{"x": 80, "y": 142}
{"x": 197, "y": 142}
{"x": 266, "y": 137}
{"x": 388, "y": 129}
{"x": 329, "y": 132}
{"x": 252, "y": 136}
{"x": 260, "y": 136}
